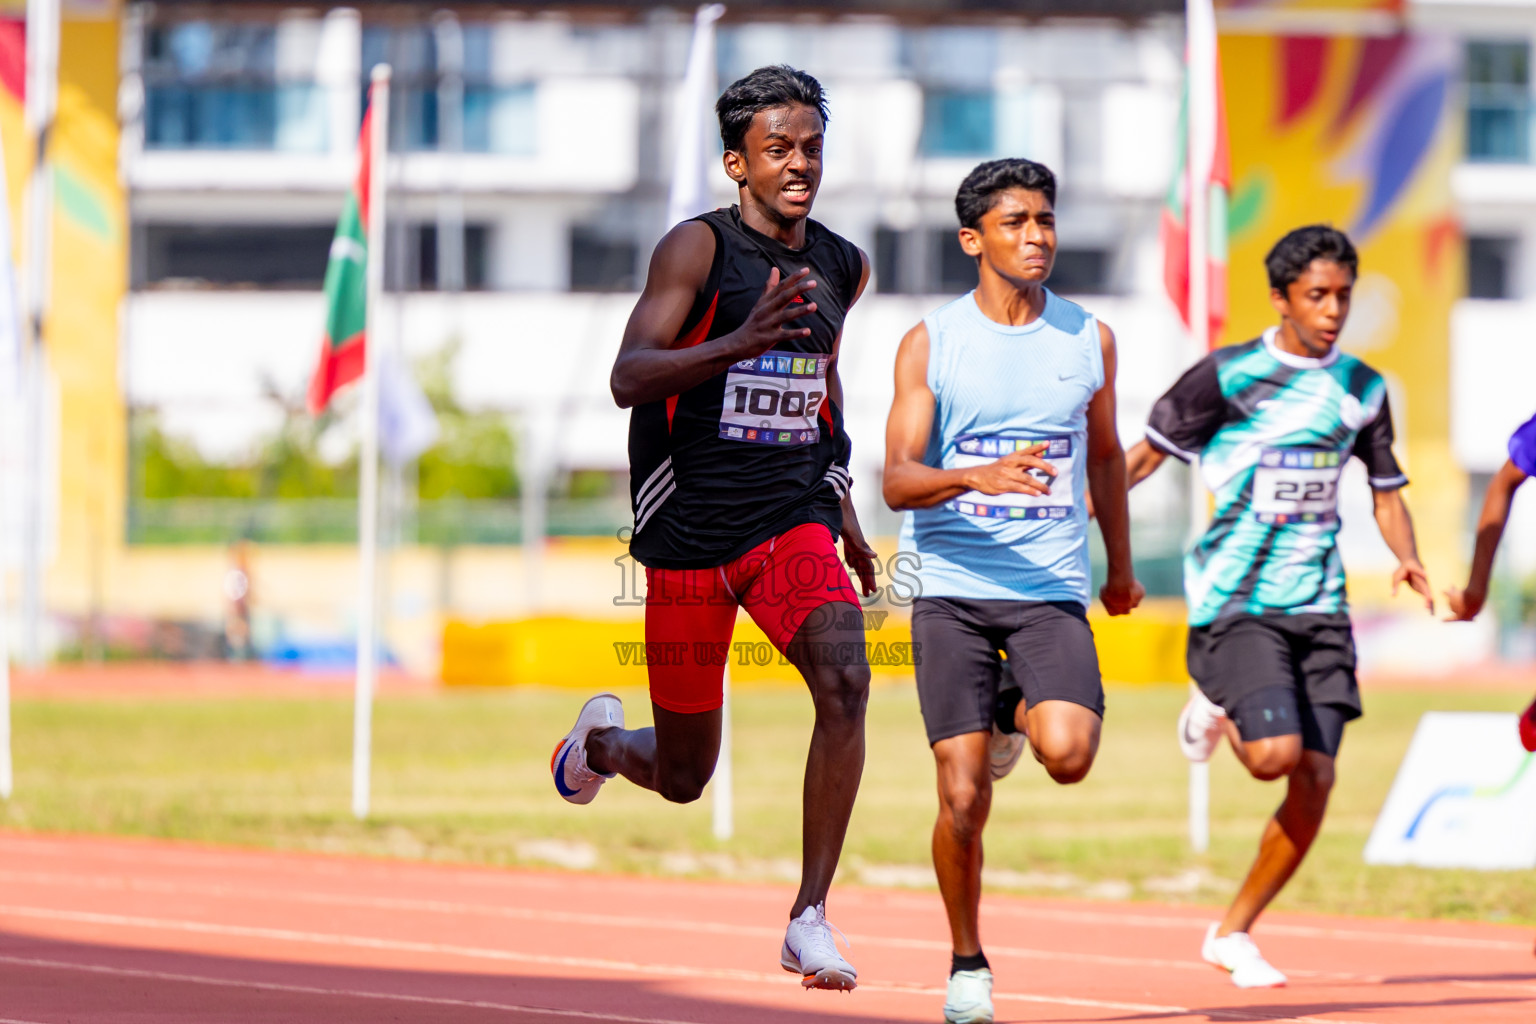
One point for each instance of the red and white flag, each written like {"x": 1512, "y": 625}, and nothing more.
{"x": 1203, "y": 177}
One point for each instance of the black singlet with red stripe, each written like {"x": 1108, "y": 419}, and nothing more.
{"x": 760, "y": 448}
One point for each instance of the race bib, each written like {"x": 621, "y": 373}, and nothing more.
{"x": 774, "y": 399}
{"x": 980, "y": 449}
{"x": 1296, "y": 486}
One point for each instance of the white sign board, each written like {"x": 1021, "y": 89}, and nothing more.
{"x": 1464, "y": 797}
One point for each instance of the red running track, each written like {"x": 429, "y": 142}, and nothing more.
{"x": 111, "y": 930}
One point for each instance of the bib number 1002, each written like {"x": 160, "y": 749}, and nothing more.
{"x": 775, "y": 402}
{"x": 774, "y": 399}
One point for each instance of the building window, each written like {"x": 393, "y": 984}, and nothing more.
{"x": 1498, "y": 101}
{"x": 223, "y": 255}
{"x": 888, "y": 261}
{"x": 957, "y": 122}
{"x": 1490, "y": 267}
{"x": 1080, "y": 272}
{"x": 414, "y": 267}
{"x": 210, "y": 85}
{"x": 954, "y": 271}
{"x": 493, "y": 117}
{"x": 926, "y": 261}
{"x": 929, "y": 261}
{"x": 601, "y": 262}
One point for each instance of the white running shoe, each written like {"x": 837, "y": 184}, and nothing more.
{"x": 968, "y": 1000}
{"x": 1004, "y": 750}
{"x": 1236, "y": 954}
{"x": 811, "y": 952}
{"x": 1200, "y": 727}
{"x": 573, "y": 779}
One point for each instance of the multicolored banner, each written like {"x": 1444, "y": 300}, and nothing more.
{"x": 1361, "y": 133}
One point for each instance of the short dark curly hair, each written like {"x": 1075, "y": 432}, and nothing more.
{"x": 978, "y": 192}
{"x": 777, "y": 85}
{"x": 1294, "y": 253}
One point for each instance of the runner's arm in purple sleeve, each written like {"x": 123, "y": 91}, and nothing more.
{"x": 1466, "y": 602}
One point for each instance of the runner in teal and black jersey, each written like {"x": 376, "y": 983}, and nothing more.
{"x": 1272, "y": 423}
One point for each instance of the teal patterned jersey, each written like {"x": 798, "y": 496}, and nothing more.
{"x": 1272, "y": 433}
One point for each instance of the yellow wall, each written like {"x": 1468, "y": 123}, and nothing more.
{"x": 89, "y": 278}
{"x": 1144, "y": 648}
{"x": 1319, "y": 161}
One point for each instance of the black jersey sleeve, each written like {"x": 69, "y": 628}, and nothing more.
{"x": 1373, "y": 446}
{"x": 1188, "y": 415}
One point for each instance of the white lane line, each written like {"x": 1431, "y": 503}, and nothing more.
{"x": 455, "y": 909}
{"x": 458, "y": 909}
{"x": 316, "y": 864}
{"x": 312, "y": 990}
{"x": 1092, "y": 1004}
{"x": 1351, "y": 935}
{"x": 601, "y": 920}
{"x": 12, "y": 1020}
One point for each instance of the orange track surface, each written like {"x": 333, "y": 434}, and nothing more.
{"x": 96, "y": 930}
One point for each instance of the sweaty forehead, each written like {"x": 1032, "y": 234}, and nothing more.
{"x": 1322, "y": 273}
{"x": 1013, "y": 201}
{"x": 795, "y": 121}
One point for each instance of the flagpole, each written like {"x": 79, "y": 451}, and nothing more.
{"x": 42, "y": 46}
{"x": 1200, "y": 42}
{"x": 368, "y": 468}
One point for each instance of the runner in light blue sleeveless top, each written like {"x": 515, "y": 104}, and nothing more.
{"x": 1002, "y": 424}
{"x": 997, "y": 389}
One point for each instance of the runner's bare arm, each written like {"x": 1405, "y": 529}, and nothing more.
{"x": 649, "y": 367}
{"x": 909, "y": 482}
{"x": 857, "y": 551}
{"x": 1107, "y": 486}
{"x": 1396, "y": 527}
{"x": 1141, "y": 462}
{"x": 1466, "y": 603}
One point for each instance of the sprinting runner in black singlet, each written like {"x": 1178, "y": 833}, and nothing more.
{"x": 760, "y": 448}
{"x": 739, "y": 476}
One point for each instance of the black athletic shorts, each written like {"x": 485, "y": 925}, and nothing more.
{"x": 1280, "y": 675}
{"x": 958, "y": 644}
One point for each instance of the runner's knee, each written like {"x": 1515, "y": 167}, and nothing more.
{"x": 1313, "y": 777}
{"x": 842, "y": 689}
{"x": 1065, "y": 743}
{"x": 1273, "y": 757}
{"x": 966, "y": 806}
{"x": 680, "y": 787}
{"x": 1068, "y": 764}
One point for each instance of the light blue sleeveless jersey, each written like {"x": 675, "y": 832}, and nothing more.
{"x": 998, "y": 388}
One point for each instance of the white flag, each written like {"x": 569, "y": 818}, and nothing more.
{"x": 10, "y": 313}
{"x": 407, "y": 424}
{"x": 696, "y": 124}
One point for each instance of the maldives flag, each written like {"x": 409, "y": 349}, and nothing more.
{"x": 346, "y": 290}
{"x": 1210, "y": 178}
